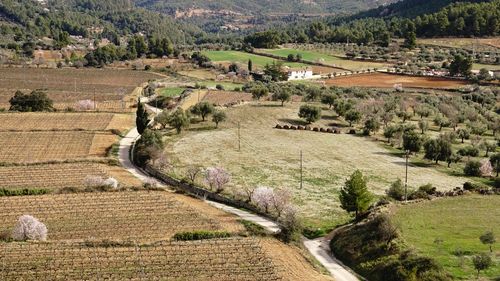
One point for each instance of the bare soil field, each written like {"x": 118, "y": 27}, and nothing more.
{"x": 383, "y": 80}
{"x": 271, "y": 157}
{"x": 30, "y": 147}
{"x": 222, "y": 98}
{"x": 36, "y": 121}
{"x": 57, "y": 176}
{"x": 67, "y": 86}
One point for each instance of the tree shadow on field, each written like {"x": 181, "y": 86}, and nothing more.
{"x": 296, "y": 122}
{"x": 329, "y": 117}
{"x": 266, "y": 105}
{"x": 201, "y": 129}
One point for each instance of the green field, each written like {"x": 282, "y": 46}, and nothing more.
{"x": 487, "y": 66}
{"x": 458, "y": 223}
{"x": 229, "y": 86}
{"x": 171, "y": 92}
{"x": 313, "y": 56}
{"x": 242, "y": 58}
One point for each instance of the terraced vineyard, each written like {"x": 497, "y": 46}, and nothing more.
{"x": 137, "y": 216}
{"x": 221, "y": 259}
{"x": 29, "y": 147}
{"x": 56, "y": 176}
{"x": 111, "y": 89}
{"x": 64, "y": 121}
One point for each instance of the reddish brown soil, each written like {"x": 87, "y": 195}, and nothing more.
{"x": 383, "y": 80}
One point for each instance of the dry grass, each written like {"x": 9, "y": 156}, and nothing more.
{"x": 482, "y": 44}
{"x": 221, "y": 98}
{"x": 56, "y": 176}
{"x": 272, "y": 157}
{"x": 193, "y": 98}
{"x": 29, "y": 147}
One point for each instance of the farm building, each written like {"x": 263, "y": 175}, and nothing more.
{"x": 299, "y": 73}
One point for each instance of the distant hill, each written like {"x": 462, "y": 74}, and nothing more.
{"x": 57, "y": 19}
{"x": 411, "y": 8}
{"x": 266, "y": 7}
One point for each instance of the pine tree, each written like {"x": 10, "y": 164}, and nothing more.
{"x": 354, "y": 196}
{"x": 142, "y": 119}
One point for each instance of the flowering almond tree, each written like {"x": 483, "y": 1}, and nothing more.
{"x": 486, "y": 169}
{"x": 85, "y": 105}
{"x": 29, "y": 228}
{"x": 262, "y": 197}
{"x": 217, "y": 178}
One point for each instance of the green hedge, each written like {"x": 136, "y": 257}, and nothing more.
{"x": 200, "y": 235}
{"x": 21, "y": 192}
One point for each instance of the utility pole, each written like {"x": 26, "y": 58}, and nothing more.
{"x": 239, "y": 137}
{"x": 406, "y": 176}
{"x": 301, "y": 170}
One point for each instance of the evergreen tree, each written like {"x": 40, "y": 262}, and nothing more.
{"x": 142, "y": 118}
{"x": 410, "y": 36}
{"x": 250, "y": 65}
{"x": 354, "y": 196}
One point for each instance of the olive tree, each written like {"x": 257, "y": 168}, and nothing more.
{"x": 310, "y": 113}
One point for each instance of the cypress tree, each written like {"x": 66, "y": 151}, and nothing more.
{"x": 142, "y": 119}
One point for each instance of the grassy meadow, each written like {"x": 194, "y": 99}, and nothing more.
{"x": 271, "y": 157}
{"x": 242, "y": 58}
{"x": 440, "y": 228}
{"x": 314, "y": 56}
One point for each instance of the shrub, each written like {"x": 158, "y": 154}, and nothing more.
{"x": 397, "y": 190}
{"x": 200, "y": 235}
{"x": 35, "y": 101}
{"x": 427, "y": 188}
{"x": 472, "y": 169}
{"x": 29, "y": 228}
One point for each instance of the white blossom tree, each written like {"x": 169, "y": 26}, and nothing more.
{"x": 486, "y": 169}
{"x": 98, "y": 181}
{"x": 262, "y": 197}
{"x": 85, "y": 105}
{"x": 280, "y": 200}
{"x": 217, "y": 178}
{"x": 29, "y": 228}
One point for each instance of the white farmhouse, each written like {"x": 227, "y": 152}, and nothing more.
{"x": 300, "y": 73}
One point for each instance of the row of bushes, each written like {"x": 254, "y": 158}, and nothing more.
{"x": 200, "y": 235}
{"x": 309, "y": 128}
{"x": 22, "y": 192}
{"x": 397, "y": 190}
